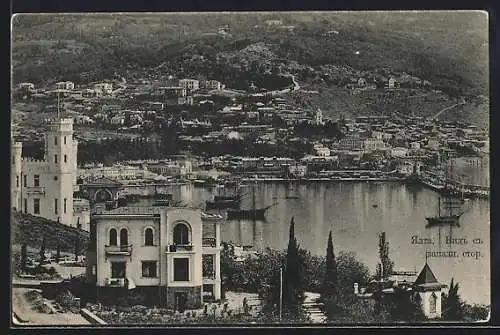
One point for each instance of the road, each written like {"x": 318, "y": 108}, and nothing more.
{"x": 448, "y": 108}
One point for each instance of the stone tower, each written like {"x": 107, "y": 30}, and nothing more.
{"x": 16, "y": 173}
{"x": 60, "y": 156}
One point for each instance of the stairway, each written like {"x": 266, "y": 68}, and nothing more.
{"x": 313, "y": 308}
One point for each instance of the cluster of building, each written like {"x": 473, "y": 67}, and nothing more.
{"x": 172, "y": 255}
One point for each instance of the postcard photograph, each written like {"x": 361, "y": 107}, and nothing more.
{"x": 250, "y": 168}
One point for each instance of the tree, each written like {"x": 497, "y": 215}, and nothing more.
{"x": 330, "y": 286}
{"x": 453, "y": 307}
{"x": 77, "y": 246}
{"x": 385, "y": 267}
{"x": 42, "y": 249}
{"x": 24, "y": 256}
{"x": 293, "y": 293}
{"x": 58, "y": 252}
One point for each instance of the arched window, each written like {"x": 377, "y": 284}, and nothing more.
{"x": 123, "y": 237}
{"x": 432, "y": 303}
{"x": 112, "y": 237}
{"x": 148, "y": 236}
{"x": 181, "y": 234}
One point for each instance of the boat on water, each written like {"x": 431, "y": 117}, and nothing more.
{"x": 249, "y": 214}
{"x": 453, "y": 210}
{"x": 225, "y": 201}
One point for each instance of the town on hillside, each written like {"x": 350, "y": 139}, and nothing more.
{"x": 163, "y": 193}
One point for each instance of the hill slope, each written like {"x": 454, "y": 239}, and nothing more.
{"x": 448, "y": 49}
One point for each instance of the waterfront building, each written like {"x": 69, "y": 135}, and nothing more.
{"x": 171, "y": 255}
{"x": 45, "y": 187}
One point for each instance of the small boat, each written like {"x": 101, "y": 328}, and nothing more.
{"x": 248, "y": 214}
{"x": 222, "y": 204}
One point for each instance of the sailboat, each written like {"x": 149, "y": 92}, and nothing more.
{"x": 249, "y": 214}
{"x": 453, "y": 210}
{"x": 225, "y": 201}
{"x": 449, "y": 217}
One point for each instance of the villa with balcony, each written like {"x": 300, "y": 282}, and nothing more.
{"x": 170, "y": 255}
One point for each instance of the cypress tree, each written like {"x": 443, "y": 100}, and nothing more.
{"x": 385, "y": 267}
{"x": 42, "y": 250}
{"x": 24, "y": 256}
{"x": 330, "y": 282}
{"x": 77, "y": 246}
{"x": 58, "y": 252}
{"x": 293, "y": 292}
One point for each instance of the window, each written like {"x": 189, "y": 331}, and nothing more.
{"x": 17, "y": 181}
{"x": 36, "y": 206}
{"x": 208, "y": 266}
{"x": 123, "y": 237}
{"x": 148, "y": 237}
{"x": 55, "y": 140}
{"x": 25, "y": 205}
{"x": 149, "y": 269}
{"x": 55, "y": 158}
{"x": 118, "y": 269}
{"x": 55, "y": 206}
{"x": 36, "y": 180}
{"x": 65, "y": 200}
{"x": 65, "y": 158}
{"x": 112, "y": 237}
{"x": 181, "y": 234}
{"x": 181, "y": 269}
{"x": 64, "y": 139}
{"x": 432, "y": 303}
{"x": 55, "y": 178}
{"x": 25, "y": 181}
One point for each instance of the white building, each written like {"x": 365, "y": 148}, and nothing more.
{"x": 190, "y": 84}
{"x": 27, "y": 86}
{"x": 399, "y": 152}
{"x": 171, "y": 255}
{"x": 372, "y": 144}
{"x": 45, "y": 187}
{"x": 213, "y": 85}
{"x": 105, "y": 88}
{"x": 65, "y": 85}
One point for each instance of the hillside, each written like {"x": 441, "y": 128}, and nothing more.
{"x": 26, "y": 228}
{"x": 449, "y": 50}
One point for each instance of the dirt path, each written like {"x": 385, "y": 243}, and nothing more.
{"x": 22, "y": 308}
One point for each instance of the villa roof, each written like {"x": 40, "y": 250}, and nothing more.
{"x": 426, "y": 276}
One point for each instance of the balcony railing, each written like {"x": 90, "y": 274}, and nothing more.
{"x": 116, "y": 282}
{"x": 209, "y": 242}
{"x": 179, "y": 247}
{"x": 124, "y": 250}
{"x": 35, "y": 190}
